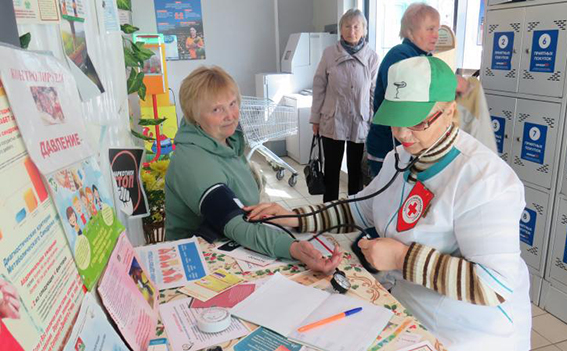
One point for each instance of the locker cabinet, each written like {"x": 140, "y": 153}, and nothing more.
{"x": 544, "y": 49}
{"x": 536, "y": 129}
{"x": 558, "y": 252}
{"x": 502, "y": 111}
{"x": 502, "y": 45}
{"x": 533, "y": 228}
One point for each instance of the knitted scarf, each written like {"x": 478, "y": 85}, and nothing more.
{"x": 435, "y": 154}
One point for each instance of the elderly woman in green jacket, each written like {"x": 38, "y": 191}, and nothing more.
{"x": 209, "y": 180}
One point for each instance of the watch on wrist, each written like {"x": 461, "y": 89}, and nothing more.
{"x": 340, "y": 281}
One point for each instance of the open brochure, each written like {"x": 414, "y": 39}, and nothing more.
{"x": 129, "y": 296}
{"x": 174, "y": 264}
{"x": 92, "y": 331}
{"x": 297, "y": 305}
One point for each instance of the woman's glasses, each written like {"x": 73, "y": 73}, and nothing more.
{"x": 427, "y": 123}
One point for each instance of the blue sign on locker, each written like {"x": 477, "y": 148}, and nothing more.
{"x": 533, "y": 143}
{"x": 527, "y": 226}
{"x": 565, "y": 253}
{"x": 499, "y": 126}
{"x": 502, "y": 50}
{"x": 544, "y": 48}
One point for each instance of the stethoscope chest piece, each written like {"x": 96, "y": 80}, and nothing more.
{"x": 340, "y": 281}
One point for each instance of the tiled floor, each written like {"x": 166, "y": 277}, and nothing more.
{"x": 548, "y": 332}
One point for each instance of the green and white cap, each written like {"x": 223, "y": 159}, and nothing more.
{"x": 414, "y": 86}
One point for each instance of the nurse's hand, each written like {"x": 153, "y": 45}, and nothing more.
{"x": 385, "y": 254}
{"x": 305, "y": 252}
{"x": 271, "y": 209}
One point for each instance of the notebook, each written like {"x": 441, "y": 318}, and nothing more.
{"x": 283, "y": 305}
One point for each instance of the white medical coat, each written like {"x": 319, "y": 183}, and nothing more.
{"x": 475, "y": 214}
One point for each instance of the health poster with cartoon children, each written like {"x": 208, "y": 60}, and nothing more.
{"x": 86, "y": 211}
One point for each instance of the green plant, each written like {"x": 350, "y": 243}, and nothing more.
{"x": 134, "y": 57}
{"x": 153, "y": 179}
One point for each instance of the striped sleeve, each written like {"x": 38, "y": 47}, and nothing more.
{"x": 454, "y": 277}
{"x": 335, "y": 215}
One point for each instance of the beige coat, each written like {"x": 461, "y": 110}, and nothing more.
{"x": 343, "y": 90}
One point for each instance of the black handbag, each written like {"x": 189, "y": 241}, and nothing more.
{"x": 314, "y": 169}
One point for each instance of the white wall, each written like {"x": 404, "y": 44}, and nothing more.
{"x": 239, "y": 37}
{"x": 324, "y": 13}
{"x": 294, "y": 16}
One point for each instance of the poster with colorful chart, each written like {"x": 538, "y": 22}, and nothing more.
{"x": 86, "y": 210}
{"x": 40, "y": 288}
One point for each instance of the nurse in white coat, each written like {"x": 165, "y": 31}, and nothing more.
{"x": 448, "y": 224}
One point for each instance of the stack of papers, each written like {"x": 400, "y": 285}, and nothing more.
{"x": 283, "y": 306}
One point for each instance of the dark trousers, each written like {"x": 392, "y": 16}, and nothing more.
{"x": 334, "y": 150}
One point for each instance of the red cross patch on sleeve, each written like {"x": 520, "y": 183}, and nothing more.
{"x": 413, "y": 208}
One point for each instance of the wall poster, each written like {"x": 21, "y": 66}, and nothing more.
{"x": 40, "y": 288}
{"x": 181, "y": 23}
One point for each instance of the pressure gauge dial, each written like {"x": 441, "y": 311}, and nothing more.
{"x": 340, "y": 281}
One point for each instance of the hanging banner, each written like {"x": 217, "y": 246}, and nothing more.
{"x": 36, "y": 11}
{"x": 40, "y": 287}
{"x": 502, "y": 50}
{"x": 85, "y": 207}
{"x": 45, "y": 102}
{"x": 544, "y": 48}
{"x": 528, "y": 226}
{"x": 181, "y": 23}
{"x": 499, "y": 126}
{"x": 533, "y": 142}
{"x": 92, "y": 331}
{"x": 126, "y": 164}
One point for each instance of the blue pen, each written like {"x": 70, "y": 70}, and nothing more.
{"x": 329, "y": 319}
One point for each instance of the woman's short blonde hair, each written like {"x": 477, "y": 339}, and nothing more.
{"x": 414, "y": 16}
{"x": 354, "y": 14}
{"x": 204, "y": 84}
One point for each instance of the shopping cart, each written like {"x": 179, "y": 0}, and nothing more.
{"x": 262, "y": 120}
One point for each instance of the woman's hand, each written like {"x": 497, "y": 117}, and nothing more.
{"x": 267, "y": 210}
{"x": 315, "y": 128}
{"x": 9, "y": 302}
{"x": 385, "y": 254}
{"x": 305, "y": 252}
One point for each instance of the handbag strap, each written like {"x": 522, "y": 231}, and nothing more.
{"x": 320, "y": 148}
{"x": 313, "y": 144}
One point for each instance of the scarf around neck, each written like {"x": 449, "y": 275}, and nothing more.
{"x": 435, "y": 154}
{"x": 352, "y": 49}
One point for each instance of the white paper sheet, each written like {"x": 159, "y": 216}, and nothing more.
{"x": 181, "y": 326}
{"x": 352, "y": 333}
{"x": 280, "y": 304}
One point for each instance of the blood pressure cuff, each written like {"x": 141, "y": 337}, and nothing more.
{"x": 218, "y": 205}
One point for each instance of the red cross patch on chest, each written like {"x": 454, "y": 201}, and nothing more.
{"x": 413, "y": 208}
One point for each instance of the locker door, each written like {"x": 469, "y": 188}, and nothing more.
{"x": 533, "y": 228}
{"x": 502, "y": 110}
{"x": 535, "y": 137}
{"x": 544, "y": 49}
{"x": 558, "y": 270}
{"x": 503, "y": 42}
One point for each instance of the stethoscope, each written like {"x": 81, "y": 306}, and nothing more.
{"x": 339, "y": 281}
{"x": 416, "y": 159}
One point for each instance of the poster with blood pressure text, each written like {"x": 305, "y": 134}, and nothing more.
{"x": 44, "y": 99}
{"x": 40, "y": 288}
{"x": 126, "y": 164}
{"x": 86, "y": 211}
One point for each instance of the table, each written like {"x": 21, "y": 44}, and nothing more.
{"x": 364, "y": 286}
